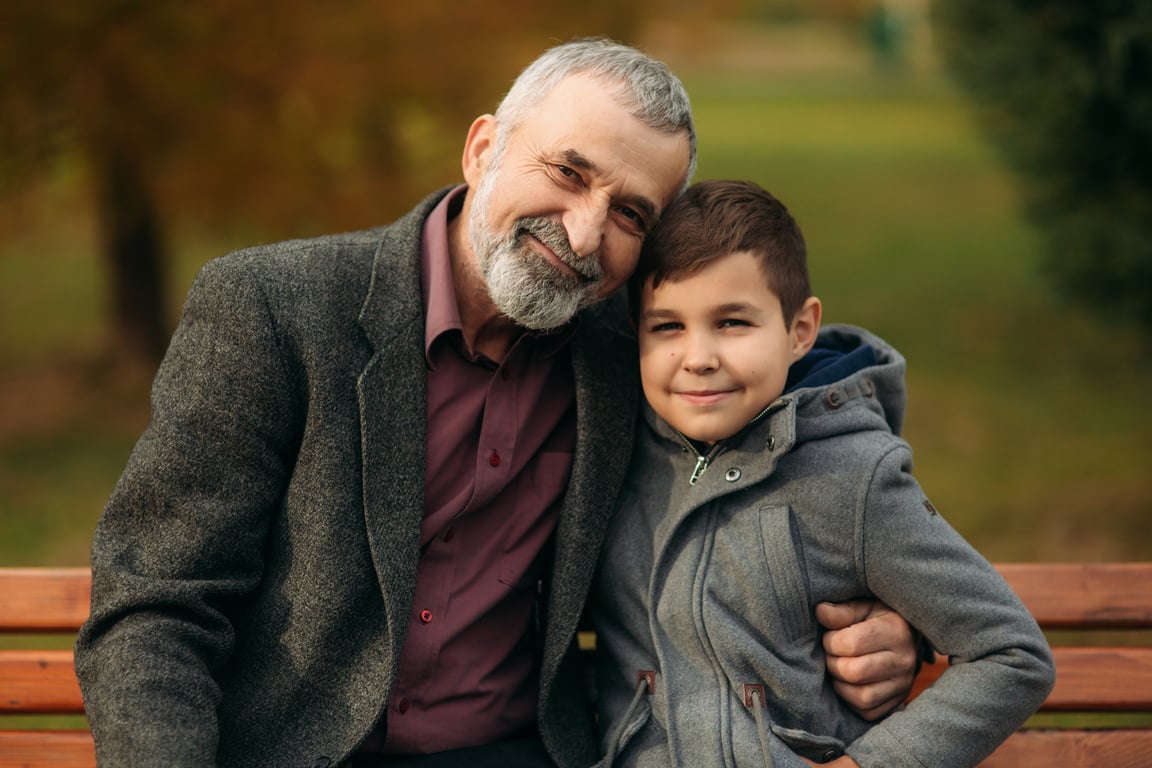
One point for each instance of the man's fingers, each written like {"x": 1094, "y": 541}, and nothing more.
{"x": 882, "y": 631}
{"x": 863, "y": 669}
{"x": 870, "y": 653}
{"x": 872, "y": 701}
{"x": 841, "y": 615}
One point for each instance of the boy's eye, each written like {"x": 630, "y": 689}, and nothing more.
{"x": 664, "y": 327}
{"x": 733, "y": 322}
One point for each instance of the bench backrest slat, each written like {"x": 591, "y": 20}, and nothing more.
{"x": 1084, "y": 595}
{"x": 47, "y": 749}
{"x": 39, "y": 682}
{"x": 44, "y": 599}
{"x": 1129, "y": 748}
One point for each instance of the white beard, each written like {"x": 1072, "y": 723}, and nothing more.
{"x": 524, "y": 286}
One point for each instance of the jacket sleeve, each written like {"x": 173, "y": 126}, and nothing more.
{"x": 179, "y": 543}
{"x": 1001, "y": 667}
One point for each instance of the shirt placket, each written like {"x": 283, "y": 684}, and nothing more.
{"x": 494, "y": 466}
{"x": 497, "y": 448}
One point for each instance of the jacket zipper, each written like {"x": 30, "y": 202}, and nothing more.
{"x": 702, "y": 460}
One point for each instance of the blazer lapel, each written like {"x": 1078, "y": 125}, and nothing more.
{"x": 391, "y": 390}
{"x": 607, "y": 385}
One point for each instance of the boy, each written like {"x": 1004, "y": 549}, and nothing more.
{"x": 767, "y": 477}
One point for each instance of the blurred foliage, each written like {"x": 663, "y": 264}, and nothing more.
{"x": 1065, "y": 91}
{"x": 297, "y": 118}
{"x": 304, "y": 116}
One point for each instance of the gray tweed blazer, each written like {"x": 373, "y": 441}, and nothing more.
{"x": 255, "y": 565}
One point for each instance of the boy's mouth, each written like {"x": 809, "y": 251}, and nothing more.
{"x": 704, "y": 397}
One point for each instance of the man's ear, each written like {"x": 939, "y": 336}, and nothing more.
{"x": 805, "y": 326}
{"x": 478, "y": 148}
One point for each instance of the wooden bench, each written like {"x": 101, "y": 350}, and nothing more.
{"x": 1099, "y": 618}
{"x": 45, "y": 606}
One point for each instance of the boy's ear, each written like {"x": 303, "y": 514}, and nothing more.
{"x": 478, "y": 148}
{"x": 805, "y": 326}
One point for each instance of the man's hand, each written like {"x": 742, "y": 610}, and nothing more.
{"x": 871, "y": 654}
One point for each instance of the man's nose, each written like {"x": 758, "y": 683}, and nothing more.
{"x": 585, "y": 226}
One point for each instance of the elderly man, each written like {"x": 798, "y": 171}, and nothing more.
{"x": 361, "y": 525}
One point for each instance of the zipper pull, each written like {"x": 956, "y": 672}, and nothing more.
{"x": 701, "y": 465}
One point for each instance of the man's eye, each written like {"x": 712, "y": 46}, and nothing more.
{"x": 564, "y": 170}
{"x": 634, "y": 217}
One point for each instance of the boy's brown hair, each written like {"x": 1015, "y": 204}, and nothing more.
{"x": 714, "y": 219}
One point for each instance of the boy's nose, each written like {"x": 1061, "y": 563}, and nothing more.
{"x": 700, "y": 354}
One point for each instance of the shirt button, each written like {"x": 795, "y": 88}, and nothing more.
{"x": 425, "y": 616}
{"x": 494, "y": 459}
{"x": 403, "y": 706}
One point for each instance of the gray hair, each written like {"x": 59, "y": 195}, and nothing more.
{"x": 646, "y": 86}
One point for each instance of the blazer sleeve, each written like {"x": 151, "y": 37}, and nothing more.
{"x": 1001, "y": 667}
{"x": 179, "y": 544}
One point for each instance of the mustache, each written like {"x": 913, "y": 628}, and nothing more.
{"x": 552, "y": 234}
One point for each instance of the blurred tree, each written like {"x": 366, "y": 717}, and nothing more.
{"x": 1065, "y": 90}
{"x": 293, "y": 117}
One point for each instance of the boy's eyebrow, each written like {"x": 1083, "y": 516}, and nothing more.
{"x": 720, "y": 309}
{"x": 735, "y": 306}
{"x": 657, "y": 314}
{"x": 646, "y": 207}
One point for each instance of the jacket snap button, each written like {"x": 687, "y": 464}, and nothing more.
{"x": 834, "y": 398}
{"x": 831, "y": 755}
{"x": 732, "y": 475}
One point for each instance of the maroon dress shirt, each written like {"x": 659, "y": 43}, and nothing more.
{"x": 501, "y": 438}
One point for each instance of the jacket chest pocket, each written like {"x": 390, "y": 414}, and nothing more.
{"x": 756, "y": 574}
{"x": 783, "y": 558}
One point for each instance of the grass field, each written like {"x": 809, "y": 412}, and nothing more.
{"x": 1026, "y": 415}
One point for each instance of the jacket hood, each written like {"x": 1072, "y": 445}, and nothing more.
{"x": 845, "y": 363}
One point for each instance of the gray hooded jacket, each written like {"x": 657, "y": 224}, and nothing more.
{"x": 707, "y": 590}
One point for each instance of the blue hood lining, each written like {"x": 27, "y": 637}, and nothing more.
{"x": 827, "y": 363}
